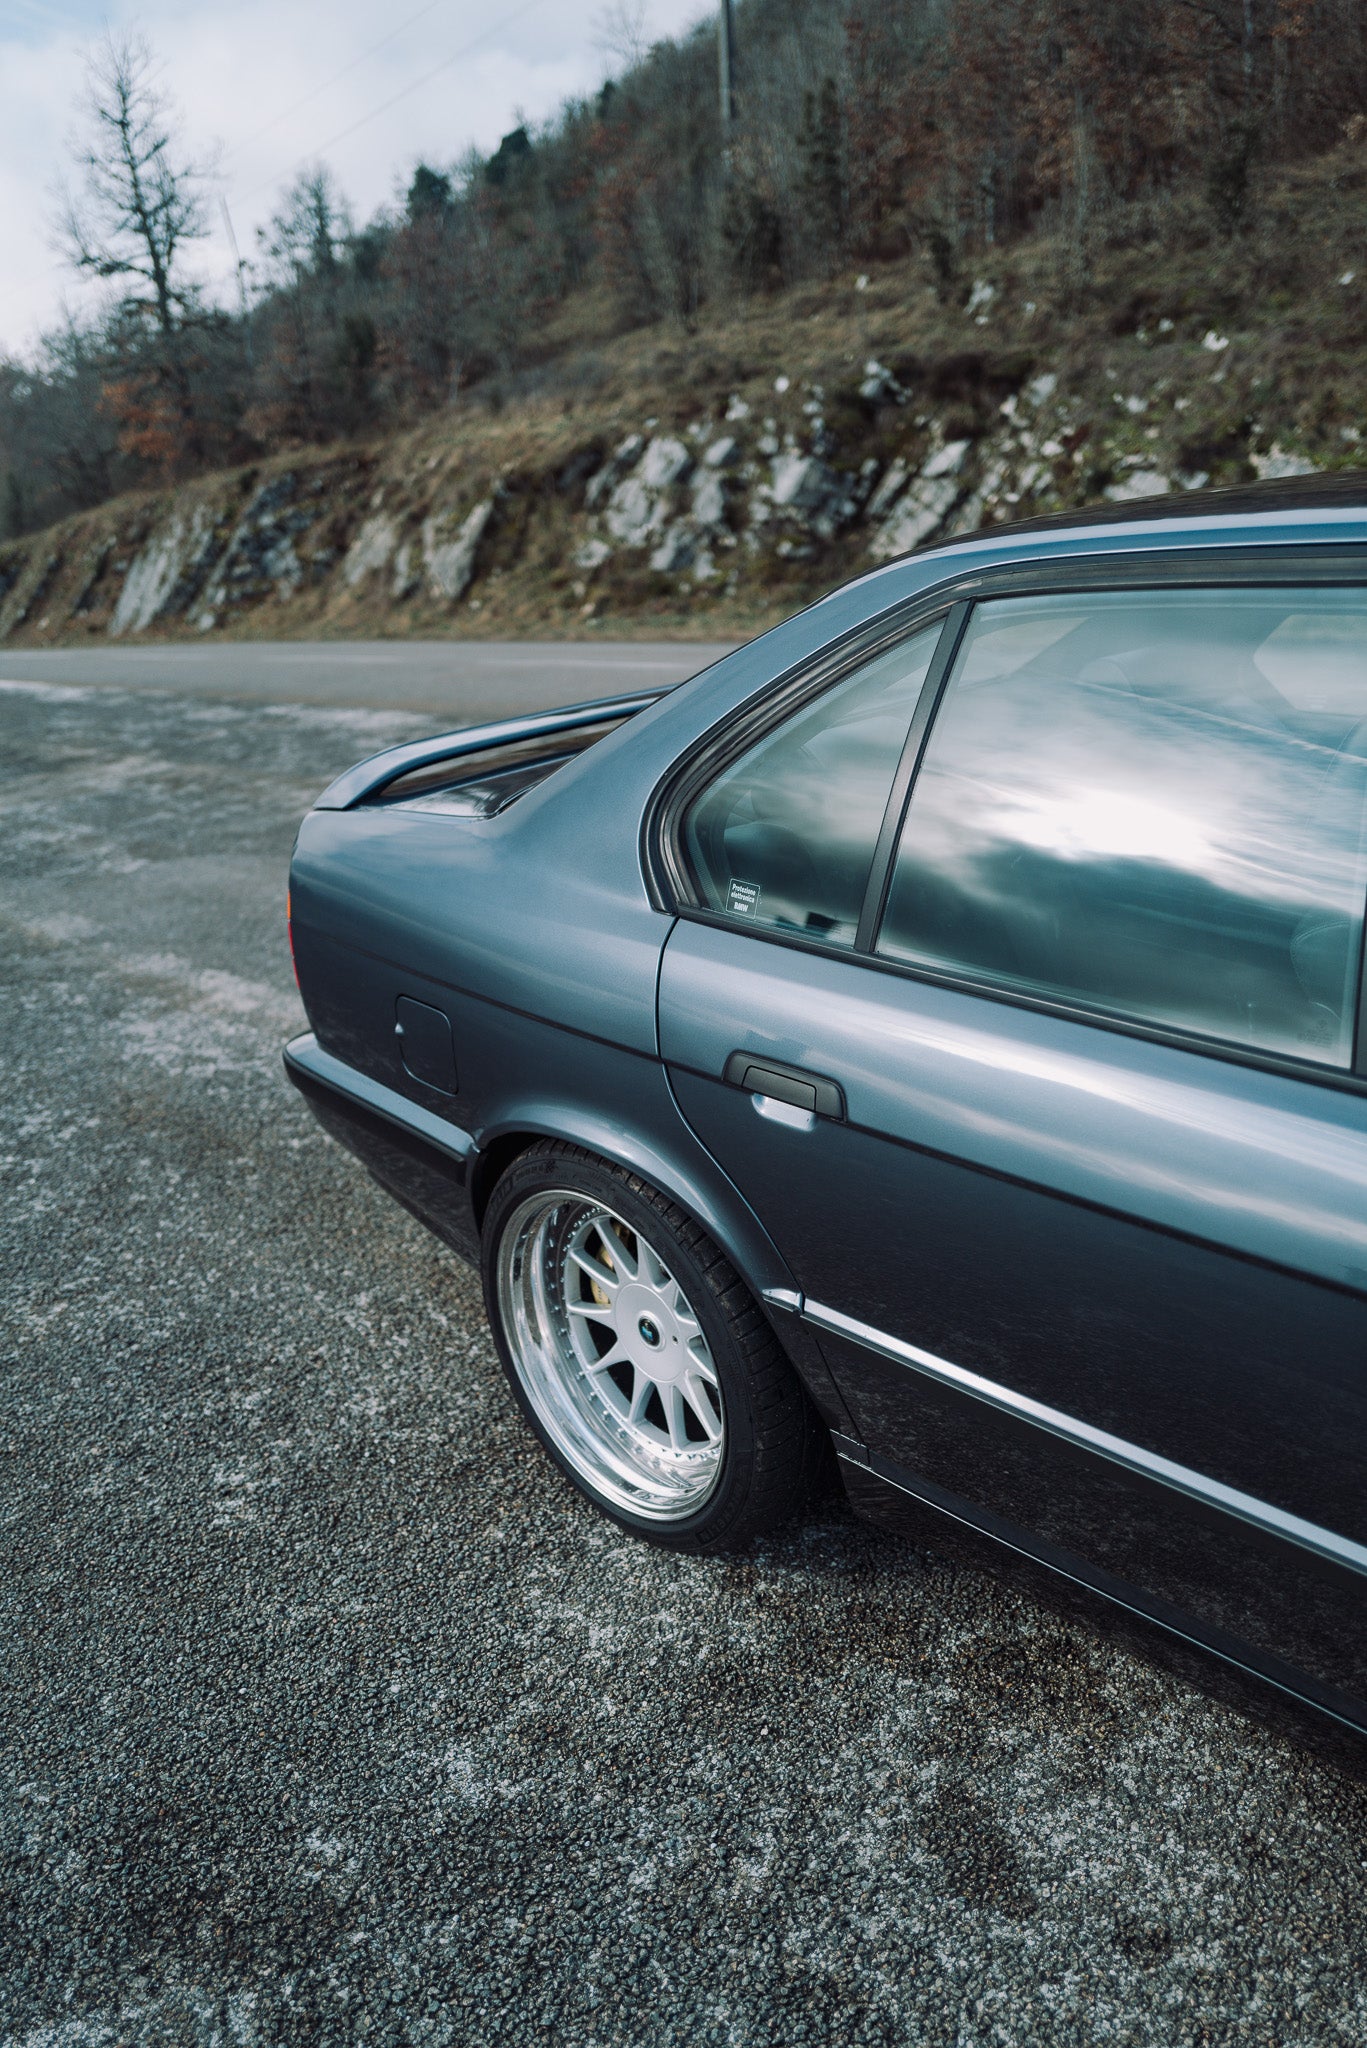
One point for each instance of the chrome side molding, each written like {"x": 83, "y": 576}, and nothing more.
{"x": 785, "y": 1298}
{"x": 305, "y": 1056}
{"x": 1259, "y": 1514}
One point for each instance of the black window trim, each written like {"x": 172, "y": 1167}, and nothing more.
{"x": 1259, "y": 565}
{"x": 904, "y": 780}
{"x": 670, "y": 884}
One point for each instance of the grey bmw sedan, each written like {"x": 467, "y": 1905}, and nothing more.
{"x": 933, "y": 1037}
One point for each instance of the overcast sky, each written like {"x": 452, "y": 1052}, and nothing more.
{"x": 275, "y": 84}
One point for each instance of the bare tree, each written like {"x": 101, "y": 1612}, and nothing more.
{"x": 140, "y": 204}
{"x": 620, "y": 30}
{"x": 307, "y": 228}
{"x": 302, "y": 316}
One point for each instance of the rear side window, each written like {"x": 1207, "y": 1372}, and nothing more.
{"x": 785, "y": 835}
{"x": 1153, "y": 803}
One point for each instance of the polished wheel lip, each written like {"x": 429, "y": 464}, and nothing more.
{"x": 610, "y": 1355}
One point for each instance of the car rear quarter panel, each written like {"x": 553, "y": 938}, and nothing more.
{"x": 535, "y": 931}
{"x": 544, "y": 909}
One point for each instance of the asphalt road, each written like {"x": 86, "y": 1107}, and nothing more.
{"x": 329, "y": 1714}
{"x": 453, "y": 679}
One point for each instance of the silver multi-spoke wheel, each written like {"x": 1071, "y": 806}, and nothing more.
{"x": 611, "y": 1355}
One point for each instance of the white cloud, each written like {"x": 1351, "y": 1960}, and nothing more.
{"x": 236, "y": 69}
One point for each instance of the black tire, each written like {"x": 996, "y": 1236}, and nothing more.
{"x": 774, "y": 1447}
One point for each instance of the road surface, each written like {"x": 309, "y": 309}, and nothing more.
{"x": 452, "y": 679}
{"x": 328, "y": 1713}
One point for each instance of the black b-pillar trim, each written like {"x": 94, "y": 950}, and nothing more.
{"x": 875, "y": 895}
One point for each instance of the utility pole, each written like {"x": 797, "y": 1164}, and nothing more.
{"x": 726, "y": 71}
{"x": 240, "y": 267}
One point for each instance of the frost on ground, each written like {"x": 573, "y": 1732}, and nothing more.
{"x": 329, "y": 1714}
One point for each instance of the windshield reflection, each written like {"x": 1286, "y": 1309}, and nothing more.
{"x": 1118, "y": 807}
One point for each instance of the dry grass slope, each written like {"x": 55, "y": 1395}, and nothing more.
{"x": 710, "y": 480}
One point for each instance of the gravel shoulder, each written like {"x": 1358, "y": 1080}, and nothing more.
{"x": 329, "y": 1714}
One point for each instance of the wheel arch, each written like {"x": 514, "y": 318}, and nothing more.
{"x": 689, "y": 1177}
{"x": 697, "y": 1184}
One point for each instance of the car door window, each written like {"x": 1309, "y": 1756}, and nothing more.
{"x": 1153, "y": 803}
{"x": 785, "y": 835}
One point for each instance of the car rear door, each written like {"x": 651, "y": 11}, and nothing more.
{"x": 1064, "y": 1145}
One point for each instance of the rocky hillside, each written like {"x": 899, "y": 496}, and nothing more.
{"x": 715, "y": 480}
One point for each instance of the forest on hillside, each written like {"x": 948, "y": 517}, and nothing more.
{"x": 922, "y": 130}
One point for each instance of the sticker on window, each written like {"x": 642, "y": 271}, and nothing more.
{"x": 742, "y": 898}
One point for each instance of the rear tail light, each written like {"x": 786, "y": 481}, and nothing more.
{"x": 289, "y": 928}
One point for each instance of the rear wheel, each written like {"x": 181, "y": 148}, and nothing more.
{"x": 639, "y": 1357}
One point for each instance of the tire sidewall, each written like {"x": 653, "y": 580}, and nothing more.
{"x": 623, "y": 1193}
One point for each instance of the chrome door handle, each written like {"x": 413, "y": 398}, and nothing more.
{"x": 758, "y": 1075}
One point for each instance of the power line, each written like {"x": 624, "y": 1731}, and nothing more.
{"x": 413, "y": 86}
{"x": 337, "y": 76}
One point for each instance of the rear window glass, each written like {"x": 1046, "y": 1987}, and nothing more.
{"x": 785, "y": 836}
{"x": 482, "y": 784}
